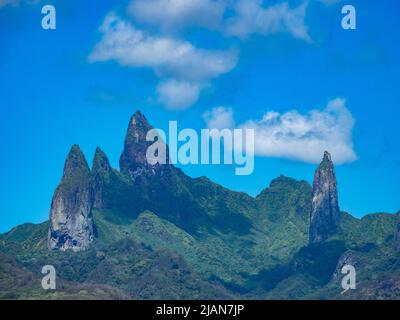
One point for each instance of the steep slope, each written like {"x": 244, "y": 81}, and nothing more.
{"x": 111, "y": 189}
{"x": 195, "y": 205}
{"x": 101, "y": 172}
{"x": 283, "y": 209}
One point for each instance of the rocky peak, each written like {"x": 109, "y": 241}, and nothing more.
{"x": 325, "y": 213}
{"x": 71, "y": 223}
{"x": 100, "y": 162}
{"x": 101, "y": 170}
{"x": 327, "y": 162}
{"x": 133, "y": 160}
{"x": 75, "y": 165}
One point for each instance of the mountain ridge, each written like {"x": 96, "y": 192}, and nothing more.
{"x": 213, "y": 243}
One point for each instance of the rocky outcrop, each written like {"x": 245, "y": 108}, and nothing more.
{"x": 325, "y": 213}
{"x": 348, "y": 258}
{"x": 161, "y": 187}
{"x": 101, "y": 171}
{"x": 71, "y": 222}
{"x": 133, "y": 160}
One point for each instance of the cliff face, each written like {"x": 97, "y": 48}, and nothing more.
{"x": 71, "y": 222}
{"x": 325, "y": 213}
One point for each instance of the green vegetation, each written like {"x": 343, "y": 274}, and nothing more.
{"x": 261, "y": 252}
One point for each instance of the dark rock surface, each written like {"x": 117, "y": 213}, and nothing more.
{"x": 325, "y": 213}
{"x": 101, "y": 171}
{"x": 133, "y": 161}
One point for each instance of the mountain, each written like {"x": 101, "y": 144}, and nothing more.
{"x": 149, "y": 231}
{"x": 325, "y": 213}
{"x": 195, "y": 205}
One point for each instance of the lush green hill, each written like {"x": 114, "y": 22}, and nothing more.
{"x": 148, "y": 257}
{"x": 148, "y": 231}
{"x": 116, "y": 266}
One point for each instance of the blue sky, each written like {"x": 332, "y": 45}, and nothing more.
{"x": 81, "y": 82}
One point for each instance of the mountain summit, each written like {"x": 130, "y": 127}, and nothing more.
{"x": 325, "y": 213}
{"x": 101, "y": 173}
{"x": 71, "y": 223}
{"x": 133, "y": 160}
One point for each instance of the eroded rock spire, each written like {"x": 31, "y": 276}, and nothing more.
{"x": 133, "y": 160}
{"x": 325, "y": 213}
{"x": 71, "y": 222}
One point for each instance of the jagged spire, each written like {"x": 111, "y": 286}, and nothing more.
{"x": 133, "y": 160}
{"x": 71, "y": 223}
{"x": 137, "y": 129}
{"x": 101, "y": 170}
{"x": 135, "y": 146}
{"x": 325, "y": 213}
{"x": 75, "y": 164}
{"x": 100, "y": 162}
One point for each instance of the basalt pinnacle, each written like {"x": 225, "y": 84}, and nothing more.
{"x": 133, "y": 160}
{"x": 71, "y": 222}
{"x": 325, "y": 213}
{"x": 101, "y": 171}
{"x": 101, "y": 164}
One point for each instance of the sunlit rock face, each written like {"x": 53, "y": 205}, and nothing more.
{"x": 71, "y": 222}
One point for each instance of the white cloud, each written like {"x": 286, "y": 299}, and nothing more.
{"x": 168, "y": 57}
{"x": 252, "y": 18}
{"x": 132, "y": 47}
{"x": 183, "y": 69}
{"x": 246, "y": 17}
{"x": 304, "y": 137}
{"x": 175, "y": 14}
{"x": 219, "y": 118}
{"x": 178, "y": 95}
